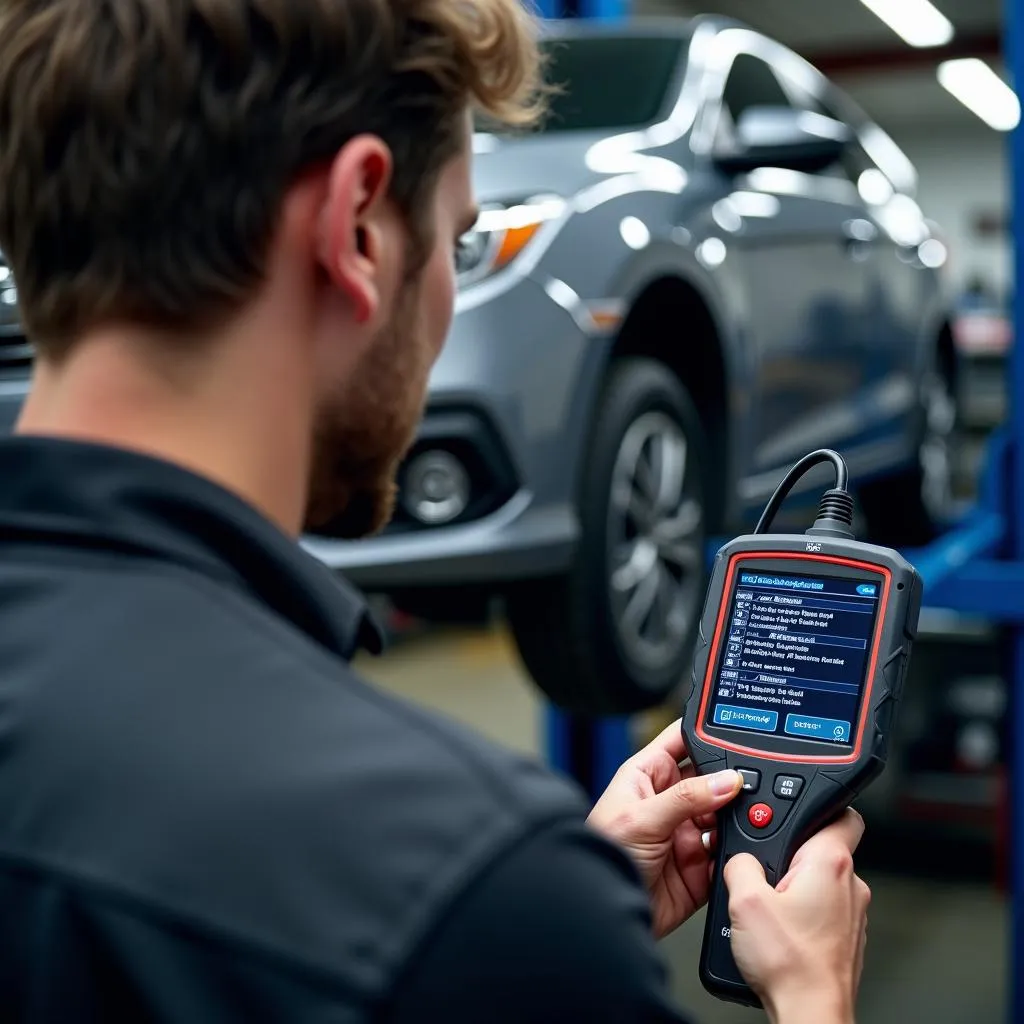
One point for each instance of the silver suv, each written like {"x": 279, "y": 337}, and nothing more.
{"x": 708, "y": 263}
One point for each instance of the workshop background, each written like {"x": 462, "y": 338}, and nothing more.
{"x": 936, "y": 849}
{"x": 711, "y": 261}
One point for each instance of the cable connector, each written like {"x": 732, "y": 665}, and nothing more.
{"x": 835, "y": 516}
{"x": 836, "y": 513}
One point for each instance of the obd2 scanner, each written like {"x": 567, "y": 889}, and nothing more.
{"x": 799, "y": 669}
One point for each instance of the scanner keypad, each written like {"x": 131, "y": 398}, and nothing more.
{"x": 787, "y": 787}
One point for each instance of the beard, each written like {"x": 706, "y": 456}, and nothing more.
{"x": 364, "y": 430}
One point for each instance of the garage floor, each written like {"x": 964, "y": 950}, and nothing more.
{"x": 937, "y": 948}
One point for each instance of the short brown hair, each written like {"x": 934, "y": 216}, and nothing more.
{"x": 146, "y": 146}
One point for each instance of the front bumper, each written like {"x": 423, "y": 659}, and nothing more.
{"x": 523, "y": 365}
{"x": 520, "y": 540}
{"x": 520, "y": 367}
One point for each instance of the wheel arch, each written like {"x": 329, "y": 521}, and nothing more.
{"x": 696, "y": 355}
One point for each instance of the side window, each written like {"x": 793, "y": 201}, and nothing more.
{"x": 751, "y": 83}
{"x": 854, "y": 161}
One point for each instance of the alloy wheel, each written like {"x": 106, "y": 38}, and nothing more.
{"x": 656, "y": 541}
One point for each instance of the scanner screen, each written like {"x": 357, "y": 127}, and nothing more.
{"x": 794, "y": 655}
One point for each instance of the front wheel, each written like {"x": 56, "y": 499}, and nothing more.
{"x": 615, "y": 634}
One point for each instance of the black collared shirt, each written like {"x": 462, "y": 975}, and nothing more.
{"x": 206, "y": 816}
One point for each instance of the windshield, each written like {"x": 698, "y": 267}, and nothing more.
{"x": 608, "y": 81}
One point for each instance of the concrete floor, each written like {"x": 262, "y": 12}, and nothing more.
{"x": 937, "y": 950}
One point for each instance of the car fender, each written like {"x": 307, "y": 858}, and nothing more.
{"x": 606, "y": 253}
{"x": 718, "y": 292}
{"x": 632, "y": 279}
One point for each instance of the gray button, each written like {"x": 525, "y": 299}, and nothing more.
{"x": 751, "y": 779}
{"x": 787, "y": 787}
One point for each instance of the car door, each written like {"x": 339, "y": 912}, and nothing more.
{"x": 889, "y": 229}
{"x": 803, "y": 254}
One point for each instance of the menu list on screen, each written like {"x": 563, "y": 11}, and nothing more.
{"x": 794, "y": 657}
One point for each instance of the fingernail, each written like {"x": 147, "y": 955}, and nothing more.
{"x": 705, "y": 840}
{"x": 724, "y": 782}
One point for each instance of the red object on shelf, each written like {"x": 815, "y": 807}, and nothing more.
{"x": 982, "y": 334}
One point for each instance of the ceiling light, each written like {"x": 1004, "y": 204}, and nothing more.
{"x": 917, "y": 22}
{"x": 982, "y": 91}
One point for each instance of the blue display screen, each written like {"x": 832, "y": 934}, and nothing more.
{"x": 795, "y": 655}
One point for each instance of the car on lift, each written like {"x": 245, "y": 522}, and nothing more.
{"x": 706, "y": 263}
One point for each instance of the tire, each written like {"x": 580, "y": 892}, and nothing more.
{"x": 911, "y": 508}
{"x": 584, "y": 636}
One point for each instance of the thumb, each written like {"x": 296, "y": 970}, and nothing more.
{"x": 744, "y": 876}
{"x": 689, "y": 799}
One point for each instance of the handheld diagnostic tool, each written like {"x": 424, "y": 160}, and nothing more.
{"x": 799, "y": 669}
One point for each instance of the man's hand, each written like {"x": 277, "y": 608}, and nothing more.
{"x": 657, "y": 811}
{"x": 800, "y": 946}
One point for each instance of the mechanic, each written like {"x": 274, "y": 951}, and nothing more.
{"x": 232, "y": 225}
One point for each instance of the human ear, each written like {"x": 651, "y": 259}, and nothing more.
{"x": 353, "y": 230}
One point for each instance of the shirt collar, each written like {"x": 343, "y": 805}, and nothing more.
{"x": 74, "y": 493}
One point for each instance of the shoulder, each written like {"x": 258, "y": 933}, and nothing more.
{"x": 297, "y": 807}
{"x": 245, "y": 690}
{"x": 363, "y": 814}
{"x": 369, "y": 819}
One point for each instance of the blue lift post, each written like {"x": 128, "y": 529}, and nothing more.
{"x": 979, "y": 568}
{"x": 548, "y": 8}
{"x": 1015, "y": 59}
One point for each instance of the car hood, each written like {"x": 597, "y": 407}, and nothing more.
{"x": 507, "y": 170}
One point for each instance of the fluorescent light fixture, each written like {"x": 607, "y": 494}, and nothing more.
{"x": 982, "y": 91}
{"x": 917, "y": 22}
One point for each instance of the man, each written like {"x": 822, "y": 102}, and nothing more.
{"x": 232, "y": 223}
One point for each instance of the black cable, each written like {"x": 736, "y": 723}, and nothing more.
{"x": 836, "y": 505}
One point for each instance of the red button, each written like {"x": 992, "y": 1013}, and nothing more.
{"x": 760, "y": 815}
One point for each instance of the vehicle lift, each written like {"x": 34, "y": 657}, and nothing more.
{"x": 976, "y": 568}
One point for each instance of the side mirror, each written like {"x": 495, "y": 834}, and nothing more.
{"x": 796, "y": 140}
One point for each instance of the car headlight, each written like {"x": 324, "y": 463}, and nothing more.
{"x": 500, "y": 234}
